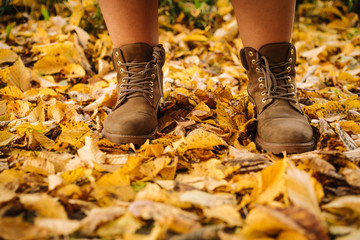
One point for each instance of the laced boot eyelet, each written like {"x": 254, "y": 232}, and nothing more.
{"x": 151, "y": 90}
{"x": 117, "y": 54}
{"x": 151, "y": 83}
{"x": 263, "y": 93}
{"x": 123, "y": 80}
{"x": 261, "y": 86}
{"x": 264, "y": 100}
{"x": 292, "y": 51}
{"x": 154, "y": 66}
{"x": 257, "y": 69}
{"x": 121, "y": 70}
{"x": 121, "y": 86}
{"x": 118, "y": 63}
{"x": 292, "y": 86}
{"x": 289, "y": 79}
{"x": 153, "y": 76}
{"x": 251, "y": 54}
{"x": 290, "y": 60}
{"x": 260, "y": 79}
{"x": 253, "y": 61}
{"x": 288, "y": 69}
{"x": 151, "y": 96}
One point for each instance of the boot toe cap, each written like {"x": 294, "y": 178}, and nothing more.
{"x": 131, "y": 124}
{"x": 285, "y": 131}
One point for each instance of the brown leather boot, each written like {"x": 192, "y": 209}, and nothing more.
{"x": 140, "y": 83}
{"x": 281, "y": 124}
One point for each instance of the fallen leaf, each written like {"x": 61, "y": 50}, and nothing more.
{"x": 301, "y": 190}
{"x": 172, "y": 217}
{"x": 57, "y": 226}
{"x": 91, "y": 153}
{"x": 19, "y": 76}
{"x": 7, "y": 56}
{"x": 44, "y": 205}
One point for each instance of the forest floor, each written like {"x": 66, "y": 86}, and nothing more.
{"x": 202, "y": 177}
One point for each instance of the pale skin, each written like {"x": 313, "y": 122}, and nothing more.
{"x": 260, "y": 21}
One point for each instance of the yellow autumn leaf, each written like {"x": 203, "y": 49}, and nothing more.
{"x": 44, "y": 205}
{"x": 75, "y": 175}
{"x": 226, "y": 213}
{"x": 37, "y": 114}
{"x": 117, "y": 178}
{"x": 34, "y": 93}
{"x": 263, "y": 221}
{"x": 350, "y": 126}
{"x": 18, "y": 108}
{"x": 6, "y": 137}
{"x": 73, "y": 70}
{"x": 199, "y": 138}
{"x": 224, "y": 7}
{"x": 11, "y": 225}
{"x": 126, "y": 224}
{"x": 6, "y": 55}
{"x": 11, "y": 92}
{"x": 6, "y": 194}
{"x": 207, "y": 200}
{"x": 19, "y": 76}
{"x": 100, "y": 216}
{"x": 152, "y": 192}
{"x": 38, "y": 165}
{"x": 57, "y": 111}
{"x": 44, "y": 141}
{"x": 58, "y": 226}
{"x": 51, "y": 64}
{"x": 74, "y": 134}
{"x": 172, "y": 217}
{"x": 91, "y": 153}
{"x": 195, "y": 37}
{"x": 301, "y": 190}
{"x": 271, "y": 182}
{"x": 351, "y": 202}
{"x": 77, "y": 14}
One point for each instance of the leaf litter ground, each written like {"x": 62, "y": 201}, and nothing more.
{"x": 202, "y": 177}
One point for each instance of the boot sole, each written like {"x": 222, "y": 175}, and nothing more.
{"x": 125, "y": 139}
{"x": 278, "y": 148}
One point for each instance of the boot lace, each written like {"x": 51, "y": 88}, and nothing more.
{"x": 138, "y": 82}
{"x": 276, "y": 83}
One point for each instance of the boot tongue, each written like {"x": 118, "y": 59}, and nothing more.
{"x": 136, "y": 52}
{"x": 275, "y": 52}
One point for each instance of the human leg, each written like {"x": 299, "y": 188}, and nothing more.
{"x": 131, "y": 21}
{"x": 264, "y": 21}
{"x": 265, "y": 28}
